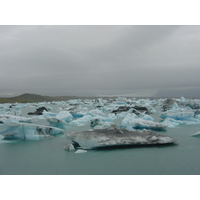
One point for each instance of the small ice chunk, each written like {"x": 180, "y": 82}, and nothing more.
{"x": 69, "y": 147}
{"x": 196, "y": 134}
{"x": 81, "y": 151}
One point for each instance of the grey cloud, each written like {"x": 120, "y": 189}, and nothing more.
{"x": 65, "y": 60}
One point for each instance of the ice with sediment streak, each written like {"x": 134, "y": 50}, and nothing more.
{"x": 116, "y": 137}
{"x": 25, "y": 131}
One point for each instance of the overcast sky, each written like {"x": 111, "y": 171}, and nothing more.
{"x": 98, "y": 60}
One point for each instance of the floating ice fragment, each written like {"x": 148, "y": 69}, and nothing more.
{"x": 80, "y": 151}
{"x": 196, "y": 134}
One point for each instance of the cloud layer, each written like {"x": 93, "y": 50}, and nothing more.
{"x": 98, "y": 60}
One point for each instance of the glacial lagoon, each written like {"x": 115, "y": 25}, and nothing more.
{"x": 48, "y": 156}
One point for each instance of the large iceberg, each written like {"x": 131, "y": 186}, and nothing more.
{"x": 115, "y": 137}
{"x": 178, "y": 113}
{"x": 24, "y": 131}
{"x": 131, "y": 121}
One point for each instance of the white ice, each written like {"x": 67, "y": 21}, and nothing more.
{"x": 80, "y": 151}
{"x": 131, "y": 121}
{"x": 178, "y": 113}
{"x": 4, "y": 118}
{"x": 64, "y": 115}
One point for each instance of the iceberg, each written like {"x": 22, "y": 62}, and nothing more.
{"x": 81, "y": 121}
{"x": 172, "y": 123}
{"x": 78, "y": 111}
{"x": 64, "y": 115}
{"x": 131, "y": 121}
{"x": 168, "y": 103}
{"x": 178, "y": 115}
{"x": 99, "y": 124}
{"x": 38, "y": 111}
{"x": 54, "y": 122}
{"x": 48, "y": 114}
{"x": 121, "y": 109}
{"x": 59, "y": 120}
{"x": 8, "y": 109}
{"x": 140, "y": 110}
{"x": 115, "y": 137}
{"x": 148, "y": 117}
{"x": 192, "y": 103}
{"x": 24, "y": 131}
{"x": 96, "y": 113}
{"x": 4, "y": 118}
{"x": 99, "y": 102}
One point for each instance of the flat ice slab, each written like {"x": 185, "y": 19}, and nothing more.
{"x": 117, "y": 137}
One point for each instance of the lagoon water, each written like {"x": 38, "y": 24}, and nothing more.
{"x": 48, "y": 157}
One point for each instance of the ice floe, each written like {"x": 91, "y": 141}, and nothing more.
{"x": 115, "y": 137}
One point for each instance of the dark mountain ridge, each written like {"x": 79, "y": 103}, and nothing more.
{"x": 25, "y": 98}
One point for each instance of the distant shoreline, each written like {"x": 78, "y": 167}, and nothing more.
{"x": 34, "y": 98}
